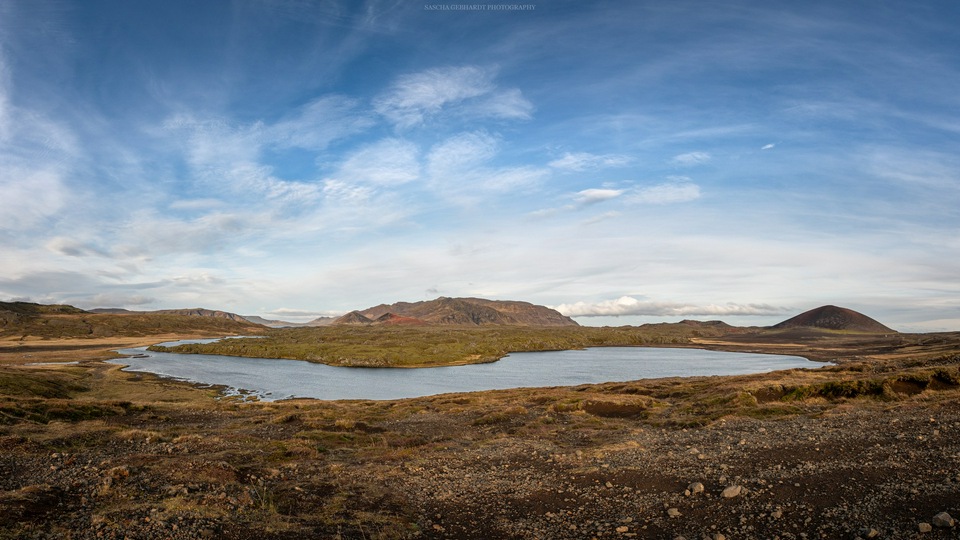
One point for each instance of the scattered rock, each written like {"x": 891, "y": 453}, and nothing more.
{"x": 673, "y": 512}
{"x": 869, "y": 532}
{"x": 696, "y": 488}
{"x": 943, "y": 520}
{"x": 924, "y": 527}
{"x": 731, "y": 491}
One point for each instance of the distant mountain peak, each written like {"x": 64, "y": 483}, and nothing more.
{"x": 461, "y": 312}
{"x": 354, "y": 317}
{"x": 835, "y": 318}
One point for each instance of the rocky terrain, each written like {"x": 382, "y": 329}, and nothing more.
{"x": 866, "y": 448}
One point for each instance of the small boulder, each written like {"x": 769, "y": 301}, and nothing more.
{"x": 943, "y": 520}
{"x": 924, "y": 527}
{"x": 731, "y": 491}
{"x": 696, "y": 488}
{"x": 673, "y": 512}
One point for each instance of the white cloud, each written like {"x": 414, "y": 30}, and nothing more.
{"x": 318, "y": 123}
{"x": 29, "y": 196}
{"x": 152, "y": 235}
{"x": 768, "y": 146}
{"x": 508, "y": 179}
{"x": 628, "y": 305}
{"x": 666, "y": 193}
{"x": 227, "y": 157}
{"x": 196, "y": 204}
{"x": 387, "y": 162}
{"x": 591, "y": 196}
{"x": 5, "y": 106}
{"x": 544, "y": 213}
{"x": 116, "y": 300}
{"x": 73, "y": 247}
{"x": 913, "y": 168}
{"x": 342, "y": 192}
{"x": 679, "y": 189}
{"x": 415, "y": 97}
{"x": 506, "y": 104}
{"x": 459, "y": 168}
{"x": 582, "y": 161}
{"x": 690, "y": 159}
{"x": 461, "y": 152}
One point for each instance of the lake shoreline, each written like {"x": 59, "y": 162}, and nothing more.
{"x": 290, "y": 379}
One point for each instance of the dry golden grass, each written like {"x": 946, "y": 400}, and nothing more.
{"x": 175, "y": 453}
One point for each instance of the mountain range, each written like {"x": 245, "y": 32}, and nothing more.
{"x": 215, "y": 313}
{"x": 449, "y": 311}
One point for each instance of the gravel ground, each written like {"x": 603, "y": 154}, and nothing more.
{"x": 865, "y": 450}
{"x": 874, "y": 472}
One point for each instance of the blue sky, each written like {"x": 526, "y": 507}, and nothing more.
{"x": 624, "y": 162}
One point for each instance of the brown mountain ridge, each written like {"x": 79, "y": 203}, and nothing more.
{"x": 459, "y": 311}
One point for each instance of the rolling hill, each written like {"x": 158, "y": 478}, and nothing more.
{"x": 834, "y": 318}
{"x": 460, "y": 312}
{"x": 25, "y": 319}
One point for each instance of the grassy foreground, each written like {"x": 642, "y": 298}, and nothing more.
{"x": 89, "y": 451}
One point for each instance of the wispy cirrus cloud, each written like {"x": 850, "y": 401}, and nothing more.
{"x": 29, "y": 196}
{"x": 4, "y": 99}
{"x": 318, "y": 123}
{"x": 583, "y": 161}
{"x": 415, "y": 97}
{"x": 596, "y": 195}
{"x": 690, "y": 159}
{"x": 388, "y": 162}
{"x": 677, "y": 190}
{"x": 631, "y": 306}
{"x": 228, "y": 157}
{"x": 460, "y": 168}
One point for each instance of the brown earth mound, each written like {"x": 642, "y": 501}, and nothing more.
{"x": 835, "y": 318}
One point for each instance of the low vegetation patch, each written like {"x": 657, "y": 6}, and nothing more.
{"x": 432, "y": 345}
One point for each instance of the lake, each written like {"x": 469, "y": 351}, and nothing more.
{"x": 270, "y": 379}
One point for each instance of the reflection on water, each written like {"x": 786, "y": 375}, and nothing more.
{"x": 280, "y": 379}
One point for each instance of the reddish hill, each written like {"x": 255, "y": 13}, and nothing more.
{"x": 835, "y": 318}
{"x": 472, "y": 312}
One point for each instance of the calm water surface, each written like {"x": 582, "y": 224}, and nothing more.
{"x": 271, "y": 379}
